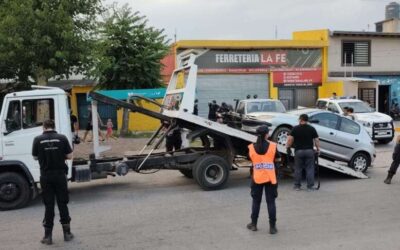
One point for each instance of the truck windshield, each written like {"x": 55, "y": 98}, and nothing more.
{"x": 359, "y": 107}
{"x": 265, "y": 106}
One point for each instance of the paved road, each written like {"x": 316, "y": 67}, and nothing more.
{"x": 167, "y": 211}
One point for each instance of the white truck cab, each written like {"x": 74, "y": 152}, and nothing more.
{"x": 21, "y": 120}
{"x": 378, "y": 125}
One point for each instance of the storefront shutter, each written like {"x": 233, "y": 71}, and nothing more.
{"x": 227, "y": 87}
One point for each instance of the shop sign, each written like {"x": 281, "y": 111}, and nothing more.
{"x": 297, "y": 78}
{"x": 254, "y": 61}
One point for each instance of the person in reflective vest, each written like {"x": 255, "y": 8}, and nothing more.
{"x": 265, "y": 160}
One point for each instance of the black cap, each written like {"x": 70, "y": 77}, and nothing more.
{"x": 262, "y": 130}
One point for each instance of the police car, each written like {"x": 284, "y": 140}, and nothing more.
{"x": 378, "y": 125}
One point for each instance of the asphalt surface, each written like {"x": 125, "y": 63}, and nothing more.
{"x": 168, "y": 211}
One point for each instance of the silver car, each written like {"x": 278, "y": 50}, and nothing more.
{"x": 341, "y": 138}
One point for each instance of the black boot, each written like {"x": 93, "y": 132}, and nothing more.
{"x": 252, "y": 226}
{"x": 47, "y": 239}
{"x": 388, "y": 179}
{"x": 67, "y": 232}
{"x": 272, "y": 228}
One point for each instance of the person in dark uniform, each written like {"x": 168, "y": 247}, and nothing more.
{"x": 265, "y": 160}
{"x": 52, "y": 149}
{"x": 212, "y": 110}
{"x": 395, "y": 163}
{"x": 196, "y": 107}
{"x": 173, "y": 140}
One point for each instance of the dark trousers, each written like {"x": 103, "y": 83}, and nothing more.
{"x": 271, "y": 192}
{"x": 55, "y": 188}
{"x": 173, "y": 142}
{"x": 395, "y": 164}
{"x": 304, "y": 159}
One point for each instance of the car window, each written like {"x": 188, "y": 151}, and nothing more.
{"x": 321, "y": 104}
{"x": 332, "y": 107}
{"x": 326, "y": 120}
{"x": 348, "y": 126}
{"x": 240, "y": 109}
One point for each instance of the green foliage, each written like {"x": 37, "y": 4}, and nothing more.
{"x": 40, "y": 39}
{"x": 128, "y": 52}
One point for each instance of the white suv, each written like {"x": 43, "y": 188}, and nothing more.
{"x": 378, "y": 125}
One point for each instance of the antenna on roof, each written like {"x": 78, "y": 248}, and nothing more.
{"x": 175, "y": 35}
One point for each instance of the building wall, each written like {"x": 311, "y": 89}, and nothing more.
{"x": 385, "y": 55}
{"x": 391, "y": 26}
{"x": 139, "y": 122}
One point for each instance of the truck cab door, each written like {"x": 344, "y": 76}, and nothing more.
{"x": 23, "y": 123}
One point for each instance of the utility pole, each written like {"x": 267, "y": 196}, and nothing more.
{"x": 276, "y": 32}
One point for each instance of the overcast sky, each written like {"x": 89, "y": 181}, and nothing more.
{"x": 256, "y": 19}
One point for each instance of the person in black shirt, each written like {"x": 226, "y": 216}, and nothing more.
{"x": 196, "y": 107}
{"x": 303, "y": 137}
{"x": 212, "y": 110}
{"x": 74, "y": 128}
{"x": 173, "y": 140}
{"x": 51, "y": 150}
{"x": 395, "y": 163}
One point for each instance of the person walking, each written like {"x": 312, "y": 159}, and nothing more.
{"x": 395, "y": 163}
{"x": 304, "y": 137}
{"x": 109, "y": 133}
{"x": 264, "y": 157}
{"x": 51, "y": 150}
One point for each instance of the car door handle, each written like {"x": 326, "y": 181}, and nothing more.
{"x": 357, "y": 140}
{"x": 9, "y": 143}
{"x": 331, "y": 133}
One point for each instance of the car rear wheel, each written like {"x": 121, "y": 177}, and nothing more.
{"x": 360, "y": 162}
{"x": 281, "y": 135}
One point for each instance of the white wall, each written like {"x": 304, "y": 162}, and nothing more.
{"x": 385, "y": 55}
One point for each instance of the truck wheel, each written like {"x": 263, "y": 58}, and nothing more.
{"x": 360, "y": 162}
{"x": 14, "y": 191}
{"x": 280, "y": 135}
{"x": 211, "y": 172}
{"x": 187, "y": 173}
{"x": 385, "y": 141}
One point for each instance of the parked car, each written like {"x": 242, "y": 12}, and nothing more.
{"x": 341, "y": 138}
{"x": 378, "y": 125}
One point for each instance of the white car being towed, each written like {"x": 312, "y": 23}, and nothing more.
{"x": 341, "y": 138}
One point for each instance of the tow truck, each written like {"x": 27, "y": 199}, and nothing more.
{"x": 222, "y": 147}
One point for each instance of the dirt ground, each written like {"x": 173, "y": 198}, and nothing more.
{"x": 119, "y": 147}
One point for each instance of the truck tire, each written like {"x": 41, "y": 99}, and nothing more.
{"x": 14, "y": 191}
{"x": 280, "y": 135}
{"x": 187, "y": 173}
{"x": 211, "y": 172}
{"x": 360, "y": 162}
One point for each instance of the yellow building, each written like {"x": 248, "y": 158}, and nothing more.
{"x": 294, "y": 71}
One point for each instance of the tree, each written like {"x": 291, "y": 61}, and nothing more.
{"x": 40, "y": 39}
{"x": 129, "y": 52}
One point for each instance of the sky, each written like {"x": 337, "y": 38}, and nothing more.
{"x": 256, "y": 19}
